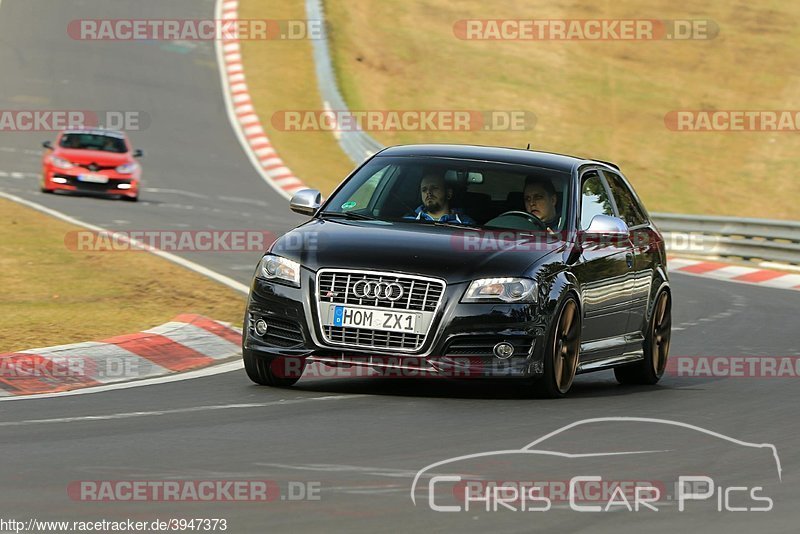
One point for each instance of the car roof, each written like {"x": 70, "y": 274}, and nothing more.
{"x": 489, "y": 153}
{"x": 96, "y": 131}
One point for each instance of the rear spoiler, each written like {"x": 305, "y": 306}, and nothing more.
{"x": 614, "y": 165}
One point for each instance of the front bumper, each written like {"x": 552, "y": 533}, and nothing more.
{"x": 459, "y": 344}
{"x": 67, "y": 180}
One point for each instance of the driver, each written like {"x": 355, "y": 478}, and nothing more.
{"x": 436, "y": 195}
{"x": 540, "y": 199}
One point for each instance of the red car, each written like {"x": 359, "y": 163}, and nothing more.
{"x": 92, "y": 161}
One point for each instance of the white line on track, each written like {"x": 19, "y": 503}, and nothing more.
{"x": 193, "y": 409}
{"x": 199, "y": 373}
{"x": 174, "y": 192}
{"x": 230, "y": 282}
{"x": 222, "y": 279}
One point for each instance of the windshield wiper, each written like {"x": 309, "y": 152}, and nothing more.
{"x": 347, "y": 215}
{"x": 460, "y": 226}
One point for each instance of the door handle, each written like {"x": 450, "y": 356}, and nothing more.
{"x": 629, "y": 260}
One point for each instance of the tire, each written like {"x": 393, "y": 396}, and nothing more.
{"x": 131, "y": 199}
{"x": 561, "y": 352}
{"x": 276, "y": 372}
{"x": 656, "y": 347}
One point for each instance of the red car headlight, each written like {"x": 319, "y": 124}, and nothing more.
{"x": 61, "y": 163}
{"x": 127, "y": 168}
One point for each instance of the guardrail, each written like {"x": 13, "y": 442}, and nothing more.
{"x": 708, "y": 236}
{"x": 731, "y": 237}
{"x": 356, "y": 143}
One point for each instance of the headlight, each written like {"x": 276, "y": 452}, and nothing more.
{"x": 276, "y": 268}
{"x": 501, "y": 290}
{"x": 61, "y": 163}
{"x": 127, "y": 168}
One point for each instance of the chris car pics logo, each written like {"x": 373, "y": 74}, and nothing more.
{"x": 607, "y": 480}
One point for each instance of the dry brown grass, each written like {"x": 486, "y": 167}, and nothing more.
{"x": 597, "y": 99}
{"x": 280, "y": 76}
{"x": 52, "y": 295}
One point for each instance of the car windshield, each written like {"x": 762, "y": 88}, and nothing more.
{"x": 456, "y": 192}
{"x": 87, "y": 141}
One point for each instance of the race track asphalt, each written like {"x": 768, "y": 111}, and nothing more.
{"x": 361, "y": 440}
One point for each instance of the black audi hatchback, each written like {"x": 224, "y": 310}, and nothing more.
{"x": 466, "y": 261}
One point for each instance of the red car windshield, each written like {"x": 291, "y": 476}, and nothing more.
{"x": 93, "y": 142}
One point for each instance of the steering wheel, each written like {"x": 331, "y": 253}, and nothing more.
{"x": 525, "y": 215}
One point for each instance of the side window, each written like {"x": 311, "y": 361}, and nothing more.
{"x": 629, "y": 209}
{"x": 594, "y": 199}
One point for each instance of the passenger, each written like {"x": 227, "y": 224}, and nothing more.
{"x": 540, "y": 199}
{"x": 436, "y": 196}
{"x": 110, "y": 145}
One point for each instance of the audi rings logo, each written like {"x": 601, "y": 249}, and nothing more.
{"x": 367, "y": 289}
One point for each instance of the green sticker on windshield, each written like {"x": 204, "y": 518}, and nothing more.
{"x": 348, "y": 205}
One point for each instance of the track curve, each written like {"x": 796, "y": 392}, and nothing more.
{"x": 363, "y": 440}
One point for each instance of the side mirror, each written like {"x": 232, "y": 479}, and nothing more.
{"x": 48, "y": 144}
{"x": 605, "y": 225}
{"x": 306, "y": 201}
{"x": 138, "y": 153}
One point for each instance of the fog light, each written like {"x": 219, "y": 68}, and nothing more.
{"x": 124, "y": 186}
{"x": 503, "y": 350}
{"x": 59, "y": 180}
{"x": 261, "y": 327}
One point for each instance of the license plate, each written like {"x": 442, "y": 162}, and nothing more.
{"x": 374, "y": 319}
{"x": 93, "y": 178}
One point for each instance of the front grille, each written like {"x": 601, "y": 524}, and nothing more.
{"x": 418, "y": 294}
{"x": 95, "y": 167}
{"x": 280, "y": 332}
{"x": 91, "y": 186}
{"x": 483, "y": 346}
{"x": 365, "y": 337}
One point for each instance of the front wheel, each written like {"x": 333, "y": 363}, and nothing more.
{"x": 656, "y": 347}
{"x": 562, "y": 351}
{"x": 277, "y": 372}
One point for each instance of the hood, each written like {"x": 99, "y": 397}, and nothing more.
{"x": 415, "y": 248}
{"x": 100, "y": 157}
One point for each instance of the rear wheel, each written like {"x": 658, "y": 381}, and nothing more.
{"x": 561, "y": 353}
{"x": 656, "y": 347}
{"x": 277, "y": 372}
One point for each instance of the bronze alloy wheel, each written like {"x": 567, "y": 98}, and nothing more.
{"x": 655, "y": 348}
{"x": 660, "y": 334}
{"x": 566, "y": 345}
{"x": 561, "y": 352}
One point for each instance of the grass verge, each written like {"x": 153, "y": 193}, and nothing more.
{"x": 596, "y": 99}
{"x": 280, "y": 77}
{"x": 53, "y": 296}
{"x": 605, "y": 100}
